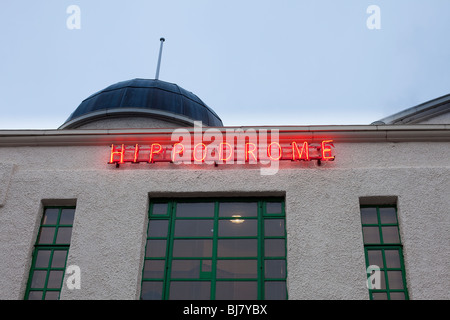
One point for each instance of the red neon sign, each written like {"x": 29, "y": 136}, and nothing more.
{"x": 222, "y": 152}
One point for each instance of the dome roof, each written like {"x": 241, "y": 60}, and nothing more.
{"x": 143, "y": 97}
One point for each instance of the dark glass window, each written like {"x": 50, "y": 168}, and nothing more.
{"x": 215, "y": 249}
{"x": 50, "y": 254}
{"x": 384, "y": 251}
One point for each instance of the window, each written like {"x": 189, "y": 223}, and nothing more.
{"x": 50, "y": 254}
{"x": 383, "y": 248}
{"x": 215, "y": 249}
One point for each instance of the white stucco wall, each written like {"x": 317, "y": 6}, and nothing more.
{"x": 325, "y": 248}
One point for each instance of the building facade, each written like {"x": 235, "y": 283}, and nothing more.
{"x": 144, "y": 194}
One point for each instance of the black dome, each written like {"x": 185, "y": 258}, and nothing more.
{"x": 144, "y": 96}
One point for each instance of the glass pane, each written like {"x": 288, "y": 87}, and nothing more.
{"x": 156, "y": 248}
{"x": 38, "y": 279}
{"x": 64, "y": 234}
{"x": 42, "y": 259}
{"x": 192, "y": 248}
{"x": 369, "y": 216}
{"x": 158, "y": 228}
{"x": 159, "y": 208}
{"x": 47, "y": 234}
{"x": 50, "y": 216}
{"x": 52, "y": 295}
{"x": 237, "y": 269}
{"x": 151, "y": 290}
{"x": 238, "y": 209}
{"x": 379, "y": 295}
{"x": 238, "y": 227}
{"x": 371, "y": 235}
{"x": 35, "y": 295}
{"x": 154, "y": 268}
{"x": 274, "y": 248}
{"x": 59, "y": 258}
{"x": 392, "y": 258}
{"x": 190, "y": 290}
{"x": 395, "y": 279}
{"x": 397, "y": 295}
{"x": 273, "y": 207}
{"x": 390, "y": 235}
{"x": 382, "y": 280}
{"x": 275, "y": 290}
{"x": 206, "y": 266}
{"x": 55, "y": 279}
{"x": 185, "y": 269}
{"x": 237, "y": 248}
{"x": 67, "y": 216}
{"x": 375, "y": 258}
{"x": 275, "y": 268}
{"x": 194, "y": 228}
{"x": 195, "y": 209}
{"x": 236, "y": 290}
{"x": 388, "y": 215}
{"x": 274, "y": 227}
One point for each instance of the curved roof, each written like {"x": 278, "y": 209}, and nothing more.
{"x": 148, "y": 97}
{"x": 420, "y": 113}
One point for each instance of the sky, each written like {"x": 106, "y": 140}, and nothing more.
{"x": 255, "y": 63}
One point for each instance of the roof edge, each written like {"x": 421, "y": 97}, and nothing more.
{"x": 340, "y": 134}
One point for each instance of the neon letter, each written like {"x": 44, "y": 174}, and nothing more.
{"x": 154, "y": 149}
{"x": 115, "y": 152}
{"x": 177, "y": 149}
{"x": 304, "y": 154}
{"x": 203, "y": 152}
{"x": 326, "y": 150}
{"x": 269, "y": 151}
{"x": 248, "y": 151}
{"x": 221, "y": 151}
{"x": 136, "y": 153}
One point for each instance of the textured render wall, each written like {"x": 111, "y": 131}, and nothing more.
{"x": 325, "y": 248}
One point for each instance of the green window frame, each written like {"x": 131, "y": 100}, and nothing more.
{"x": 214, "y": 249}
{"x": 50, "y": 254}
{"x": 383, "y": 248}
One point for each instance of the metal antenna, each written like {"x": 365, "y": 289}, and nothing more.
{"x": 159, "y": 58}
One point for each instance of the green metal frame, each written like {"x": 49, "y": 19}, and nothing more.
{"x": 52, "y": 247}
{"x": 383, "y": 247}
{"x": 211, "y": 275}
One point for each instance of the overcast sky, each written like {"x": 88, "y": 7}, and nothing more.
{"x": 254, "y": 62}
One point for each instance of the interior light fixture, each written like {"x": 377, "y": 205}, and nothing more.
{"x": 238, "y": 221}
